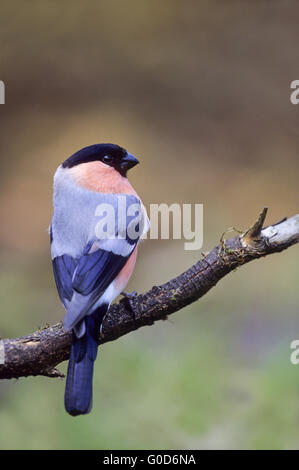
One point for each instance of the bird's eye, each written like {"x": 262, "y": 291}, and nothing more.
{"x": 107, "y": 159}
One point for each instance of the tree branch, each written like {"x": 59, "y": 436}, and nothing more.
{"x": 40, "y": 352}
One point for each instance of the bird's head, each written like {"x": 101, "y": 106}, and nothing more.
{"x": 108, "y": 154}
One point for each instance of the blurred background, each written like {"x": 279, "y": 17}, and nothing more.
{"x": 200, "y": 92}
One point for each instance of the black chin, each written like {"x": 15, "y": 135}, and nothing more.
{"x": 126, "y": 165}
{"x": 122, "y": 170}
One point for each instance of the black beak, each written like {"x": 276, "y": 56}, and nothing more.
{"x": 128, "y": 162}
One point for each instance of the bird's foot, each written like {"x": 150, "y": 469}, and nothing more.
{"x": 128, "y": 298}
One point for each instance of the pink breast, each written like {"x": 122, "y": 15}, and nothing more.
{"x": 101, "y": 178}
{"x": 123, "y": 277}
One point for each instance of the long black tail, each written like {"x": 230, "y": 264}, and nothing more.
{"x": 78, "y": 389}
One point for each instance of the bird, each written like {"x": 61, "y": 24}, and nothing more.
{"x": 93, "y": 254}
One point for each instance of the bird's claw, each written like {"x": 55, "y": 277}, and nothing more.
{"x": 129, "y": 295}
{"x": 128, "y": 298}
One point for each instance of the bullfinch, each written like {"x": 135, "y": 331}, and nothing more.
{"x": 98, "y": 221}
